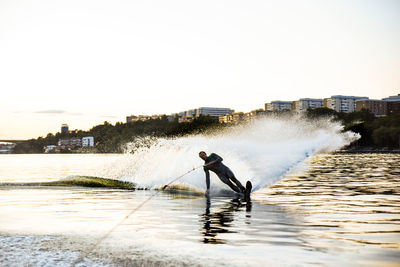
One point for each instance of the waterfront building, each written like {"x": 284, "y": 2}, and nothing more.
{"x": 6, "y": 147}
{"x": 392, "y": 98}
{"x": 134, "y": 118}
{"x": 185, "y": 116}
{"x": 278, "y": 105}
{"x": 191, "y": 114}
{"x": 393, "y": 104}
{"x": 235, "y": 118}
{"x": 378, "y": 107}
{"x": 74, "y": 141}
{"x": 303, "y": 104}
{"x": 88, "y": 141}
{"x": 393, "y": 107}
{"x": 213, "y": 112}
{"x": 64, "y": 128}
{"x": 341, "y": 103}
{"x": 131, "y": 118}
{"x": 50, "y": 148}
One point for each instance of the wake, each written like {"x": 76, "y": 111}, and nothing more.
{"x": 262, "y": 151}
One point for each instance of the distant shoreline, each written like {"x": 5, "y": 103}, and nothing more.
{"x": 367, "y": 150}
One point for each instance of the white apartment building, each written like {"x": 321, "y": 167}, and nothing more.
{"x": 278, "y": 105}
{"x": 88, "y": 141}
{"x": 342, "y": 103}
{"x": 213, "y": 112}
{"x": 307, "y": 103}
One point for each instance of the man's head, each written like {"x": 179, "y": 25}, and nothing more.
{"x": 203, "y": 155}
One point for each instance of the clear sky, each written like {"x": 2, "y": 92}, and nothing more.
{"x": 85, "y": 62}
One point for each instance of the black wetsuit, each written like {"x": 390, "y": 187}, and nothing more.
{"x": 223, "y": 173}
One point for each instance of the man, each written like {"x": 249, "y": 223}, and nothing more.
{"x": 214, "y": 163}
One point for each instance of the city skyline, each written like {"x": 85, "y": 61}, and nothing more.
{"x": 293, "y": 108}
{"x": 84, "y": 63}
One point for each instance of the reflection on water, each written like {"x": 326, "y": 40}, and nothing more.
{"x": 52, "y": 167}
{"x": 218, "y": 222}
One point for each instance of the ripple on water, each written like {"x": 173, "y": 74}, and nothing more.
{"x": 352, "y": 198}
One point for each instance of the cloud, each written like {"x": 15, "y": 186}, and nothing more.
{"x": 58, "y": 111}
{"x": 51, "y": 111}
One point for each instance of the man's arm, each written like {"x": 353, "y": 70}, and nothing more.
{"x": 214, "y": 159}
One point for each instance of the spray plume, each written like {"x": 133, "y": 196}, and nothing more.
{"x": 262, "y": 151}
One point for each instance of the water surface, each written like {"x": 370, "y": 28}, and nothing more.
{"x": 343, "y": 209}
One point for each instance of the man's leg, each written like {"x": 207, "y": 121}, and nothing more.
{"x": 234, "y": 187}
{"x": 228, "y": 182}
{"x": 232, "y": 178}
{"x": 237, "y": 182}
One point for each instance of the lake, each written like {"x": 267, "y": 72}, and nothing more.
{"x": 333, "y": 210}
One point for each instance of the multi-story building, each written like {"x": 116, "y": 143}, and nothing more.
{"x": 74, "y": 141}
{"x": 50, "y": 148}
{"x": 393, "y": 107}
{"x": 134, "y": 118}
{"x": 393, "y": 104}
{"x": 278, "y": 105}
{"x": 88, "y": 141}
{"x": 378, "y": 107}
{"x": 307, "y": 103}
{"x": 213, "y": 112}
{"x": 6, "y": 147}
{"x": 64, "y": 128}
{"x": 342, "y": 103}
{"x": 189, "y": 115}
{"x": 131, "y": 118}
{"x": 392, "y": 98}
{"x": 231, "y": 117}
{"x": 249, "y": 116}
{"x": 185, "y": 116}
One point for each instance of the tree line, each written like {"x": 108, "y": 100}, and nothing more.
{"x": 112, "y": 138}
{"x": 375, "y": 132}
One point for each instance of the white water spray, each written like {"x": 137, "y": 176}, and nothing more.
{"x": 262, "y": 151}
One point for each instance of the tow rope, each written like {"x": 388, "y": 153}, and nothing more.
{"x": 90, "y": 250}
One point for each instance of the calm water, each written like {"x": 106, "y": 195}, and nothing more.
{"x": 340, "y": 210}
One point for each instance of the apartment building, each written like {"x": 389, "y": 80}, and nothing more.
{"x": 235, "y": 117}
{"x": 254, "y": 114}
{"x": 392, "y": 98}
{"x": 393, "y": 104}
{"x": 303, "y": 104}
{"x": 278, "y": 105}
{"x": 74, "y": 141}
{"x": 341, "y": 103}
{"x": 213, "y": 112}
{"x": 134, "y": 118}
{"x": 378, "y": 107}
{"x": 190, "y": 114}
{"x": 64, "y": 128}
{"x": 88, "y": 141}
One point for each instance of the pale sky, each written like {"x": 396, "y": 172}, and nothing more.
{"x": 85, "y": 62}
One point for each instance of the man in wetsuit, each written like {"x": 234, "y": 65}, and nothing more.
{"x": 214, "y": 163}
